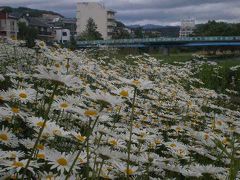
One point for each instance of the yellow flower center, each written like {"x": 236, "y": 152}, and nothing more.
{"x": 3, "y": 137}
{"x": 225, "y": 141}
{"x": 41, "y": 44}
{"x": 80, "y": 160}
{"x": 181, "y": 152}
{"x": 220, "y": 123}
{"x": 113, "y": 142}
{"x": 57, "y": 65}
{"x": 41, "y": 156}
{"x": 144, "y": 119}
{"x": 23, "y": 95}
{"x": 15, "y": 110}
{"x": 62, "y": 161}
{"x": 18, "y": 164}
{"x": 206, "y": 136}
{"x": 13, "y": 155}
{"x": 124, "y": 93}
{"x": 157, "y": 141}
{"x": 50, "y": 177}
{"x": 90, "y": 113}
{"x": 64, "y": 105}
{"x": 67, "y": 66}
{"x": 81, "y": 138}
{"x": 40, "y": 124}
{"x": 178, "y": 129}
{"x": 57, "y": 132}
{"x": 173, "y": 145}
{"x": 129, "y": 171}
{"x": 189, "y": 103}
{"x": 136, "y": 82}
{"x": 8, "y": 119}
{"x": 40, "y": 146}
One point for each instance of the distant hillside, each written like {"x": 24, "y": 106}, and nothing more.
{"x": 32, "y": 12}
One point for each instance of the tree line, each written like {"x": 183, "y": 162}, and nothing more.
{"x": 213, "y": 28}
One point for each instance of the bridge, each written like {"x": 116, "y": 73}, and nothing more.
{"x": 217, "y": 41}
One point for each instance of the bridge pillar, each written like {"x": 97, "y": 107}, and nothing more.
{"x": 166, "y": 51}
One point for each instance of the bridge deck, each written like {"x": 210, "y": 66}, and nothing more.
{"x": 158, "y": 41}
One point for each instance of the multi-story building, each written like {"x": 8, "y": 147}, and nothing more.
{"x": 50, "y": 16}
{"x": 66, "y": 23}
{"x": 8, "y": 25}
{"x": 103, "y": 17}
{"x": 187, "y": 27}
{"x": 45, "y": 31}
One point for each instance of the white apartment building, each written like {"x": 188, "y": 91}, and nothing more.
{"x": 187, "y": 27}
{"x": 103, "y": 17}
{"x": 8, "y": 25}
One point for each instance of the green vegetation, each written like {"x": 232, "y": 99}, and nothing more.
{"x": 216, "y": 75}
{"x": 72, "y": 43}
{"x": 27, "y": 33}
{"x": 120, "y": 32}
{"x": 67, "y": 115}
{"x": 221, "y": 76}
{"x": 91, "y": 32}
{"x": 183, "y": 57}
{"x": 213, "y": 28}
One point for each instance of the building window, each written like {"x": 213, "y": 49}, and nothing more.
{"x": 64, "y": 33}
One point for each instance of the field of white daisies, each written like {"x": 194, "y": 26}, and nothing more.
{"x": 80, "y": 115}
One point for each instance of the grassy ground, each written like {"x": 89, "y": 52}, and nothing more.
{"x": 172, "y": 57}
{"x": 218, "y": 77}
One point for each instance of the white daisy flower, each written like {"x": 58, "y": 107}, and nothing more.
{"x": 123, "y": 168}
{"x": 139, "y": 83}
{"x": 60, "y": 161}
{"x": 103, "y": 96}
{"x": 62, "y": 105}
{"x": 8, "y": 138}
{"x": 2, "y": 77}
{"x": 25, "y": 95}
{"x": 68, "y": 80}
{"x": 125, "y": 92}
{"x": 18, "y": 165}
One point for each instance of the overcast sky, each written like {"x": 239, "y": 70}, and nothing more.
{"x": 161, "y": 12}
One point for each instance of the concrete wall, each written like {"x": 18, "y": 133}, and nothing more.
{"x": 95, "y": 11}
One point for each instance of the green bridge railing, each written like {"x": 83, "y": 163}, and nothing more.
{"x": 159, "y": 40}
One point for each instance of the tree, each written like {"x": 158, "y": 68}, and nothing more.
{"x": 7, "y": 10}
{"x": 138, "y": 32}
{"x": 120, "y": 31}
{"x": 31, "y": 37}
{"x": 23, "y": 30}
{"x": 28, "y": 34}
{"x": 213, "y": 28}
{"x": 91, "y": 32}
{"x": 72, "y": 43}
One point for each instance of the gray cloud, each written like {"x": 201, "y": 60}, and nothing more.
{"x": 148, "y": 11}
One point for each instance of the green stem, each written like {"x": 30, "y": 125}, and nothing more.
{"x": 40, "y": 132}
{"x": 131, "y": 129}
{"x": 99, "y": 172}
{"x": 232, "y": 170}
{"x": 88, "y": 154}
{"x": 80, "y": 150}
